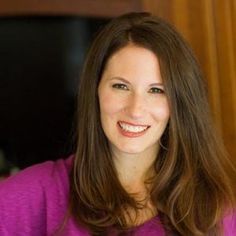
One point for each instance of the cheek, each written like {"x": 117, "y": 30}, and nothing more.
{"x": 109, "y": 104}
{"x": 162, "y": 112}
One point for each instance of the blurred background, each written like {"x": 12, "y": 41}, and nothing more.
{"x": 42, "y": 48}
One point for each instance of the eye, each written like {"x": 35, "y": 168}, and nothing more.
{"x": 156, "y": 90}
{"x": 120, "y": 86}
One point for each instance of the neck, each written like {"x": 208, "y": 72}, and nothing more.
{"x": 134, "y": 169}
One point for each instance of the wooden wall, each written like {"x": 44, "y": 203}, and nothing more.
{"x": 209, "y": 27}
{"x": 96, "y": 8}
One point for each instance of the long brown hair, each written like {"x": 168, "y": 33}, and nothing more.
{"x": 191, "y": 190}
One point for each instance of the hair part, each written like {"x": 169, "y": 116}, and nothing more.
{"x": 192, "y": 189}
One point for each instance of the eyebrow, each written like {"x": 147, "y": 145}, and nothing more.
{"x": 121, "y": 79}
{"x": 157, "y": 84}
{"x": 127, "y": 82}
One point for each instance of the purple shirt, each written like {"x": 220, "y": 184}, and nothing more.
{"x": 34, "y": 203}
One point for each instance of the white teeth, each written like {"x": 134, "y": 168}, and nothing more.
{"x": 131, "y": 128}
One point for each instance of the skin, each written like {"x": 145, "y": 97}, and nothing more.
{"x": 131, "y": 90}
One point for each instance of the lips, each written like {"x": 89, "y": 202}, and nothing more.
{"x": 132, "y": 130}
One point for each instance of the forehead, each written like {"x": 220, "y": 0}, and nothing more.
{"x": 134, "y": 61}
{"x": 131, "y": 52}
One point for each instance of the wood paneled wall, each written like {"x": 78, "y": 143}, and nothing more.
{"x": 93, "y": 8}
{"x": 209, "y": 27}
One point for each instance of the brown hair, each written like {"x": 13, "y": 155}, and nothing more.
{"x": 191, "y": 190}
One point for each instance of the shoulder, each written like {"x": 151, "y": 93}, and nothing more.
{"x": 37, "y": 176}
{"x": 34, "y": 197}
{"x": 229, "y": 223}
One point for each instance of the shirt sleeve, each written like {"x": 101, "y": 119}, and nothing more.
{"x": 34, "y": 202}
{"x": 22, "y": 204}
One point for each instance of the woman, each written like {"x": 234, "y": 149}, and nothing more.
{"x": 148, "y": 160}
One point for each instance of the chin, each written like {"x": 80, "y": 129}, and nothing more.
{"x": 130, "y": 150}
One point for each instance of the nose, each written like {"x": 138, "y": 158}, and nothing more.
{"x": 136, "y": 106}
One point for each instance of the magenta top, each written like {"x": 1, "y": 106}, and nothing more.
{"x": 34, "y": 202}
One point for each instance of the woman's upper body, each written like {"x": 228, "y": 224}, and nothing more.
{"x": 147, "y": 156}
{"x": 34, "y": 202}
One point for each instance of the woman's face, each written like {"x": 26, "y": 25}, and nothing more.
{"x": 133, "y": 105}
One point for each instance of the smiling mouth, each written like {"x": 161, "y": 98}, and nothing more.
{"x": 131, "y": 128}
